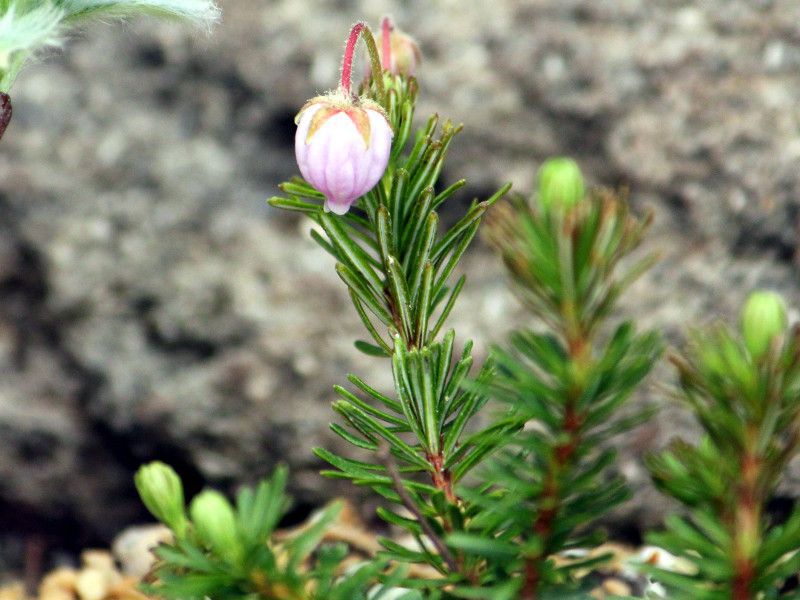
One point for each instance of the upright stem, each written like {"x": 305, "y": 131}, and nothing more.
{"x": 442, "y": 478}
{"x": 747, "y": 522}
{"x": 408, "y": 502}
{"x": 386, "y": 44}
{"x": 550, "y": 500}
{"x": 561, "y": 460}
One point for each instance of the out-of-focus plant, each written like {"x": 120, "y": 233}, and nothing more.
{"x": 30, "y": 26}
{"x": 231, "y": 552}
{"x": 566, "y": 382}
{"x": 744, "y": 389}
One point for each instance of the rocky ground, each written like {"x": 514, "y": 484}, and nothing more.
{"x": 153, "y": 306}
{"x": 118, "y": 574}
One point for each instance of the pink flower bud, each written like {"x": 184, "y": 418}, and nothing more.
{"x": 342, "y": 148}
{"x": 405, "y": 55}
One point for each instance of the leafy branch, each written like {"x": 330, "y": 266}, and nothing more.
{"x": 565, "y": 386}
{"x": 29, "y": 26}
{"x": 222, "y": 550}
{"x": 397, "y": 263}
{"x": 743, "y": 388}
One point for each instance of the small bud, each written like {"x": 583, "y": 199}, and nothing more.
{"x": 763, "y": 319}
{"x": 560, "y": 183}
{"x": 215, "y": 524}
{"x": 161, "y": 492}
{"x": 342, "y": 148}
{"x": 404, "y": 53}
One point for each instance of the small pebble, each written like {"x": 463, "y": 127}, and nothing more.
{"x": 59, "y": 585}
{"x": 15, "y": 591}
{"x": 133, "y": 548}
{"x": 100, "y": 560}
{"x": 616, "y": 587}
{"x": 92, "y": 584}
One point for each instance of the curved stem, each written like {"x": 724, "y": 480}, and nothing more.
{"x": 5, "y": 112}
{"x": 360, "y": 29}
{"x": 349, "y": 52}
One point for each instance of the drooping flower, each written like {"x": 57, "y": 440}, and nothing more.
{"x": 342, "y": 147}
{"x": 343, "y": 142}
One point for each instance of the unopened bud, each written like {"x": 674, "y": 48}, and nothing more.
{"x": 404, "y": 53}
{"x": 560, "y": 183}
{"x": 215, "y": 524}
{"x": 763, "y": 319}
{"x": 161, "y": 491}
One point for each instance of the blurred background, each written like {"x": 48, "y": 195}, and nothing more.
{"x": 152, "y": 306}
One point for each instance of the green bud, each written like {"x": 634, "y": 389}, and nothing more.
{"x": 560, "y": 183}
{"x": 161, "y": 492}
{"x": 215, "y": 524}
{"x": 763, "y": 318}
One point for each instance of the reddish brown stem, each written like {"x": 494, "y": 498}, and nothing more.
{"x": 35, "y": 547}
{"x": 747, "y": 528}
{"x": 5, "y": 112}
{"x": 408, "y": 502}
{"x": 745, "y": 574}
{"x": 442, "y": 478}
{"x": 550, "y": 499}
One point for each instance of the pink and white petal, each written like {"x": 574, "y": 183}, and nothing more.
{"x": 336, "y": 207}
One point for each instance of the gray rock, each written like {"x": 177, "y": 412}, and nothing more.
{"x": 152, "y": 306}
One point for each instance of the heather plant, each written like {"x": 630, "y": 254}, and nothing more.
{"x": 489, "y": 532}
{"x": 226, "y": 551}
{"x": 744, "y": 389}
{"x": 27, "y": 27}
{"x": 498, "y": 472}
{"x": 566, "y": 381}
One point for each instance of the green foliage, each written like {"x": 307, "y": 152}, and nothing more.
{"x": 198, "y": 11}
{"x": 493, "y": 506}
{"x": 747, "y": 405}
{"x": 496, "y": 539}
{"x": 566, "y": 387}
{"x": 565, "y": 264}
{"x": 232, "y": 553}
{"x": 27, "y": 26}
